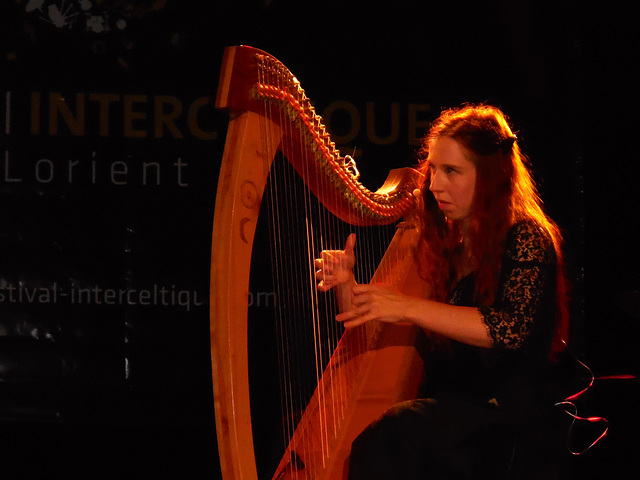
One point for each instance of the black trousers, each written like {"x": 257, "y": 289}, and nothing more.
{"x": 449, "y": 440}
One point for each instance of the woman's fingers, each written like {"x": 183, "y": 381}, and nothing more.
{"x": 350, "y": 245}
{"x": 327, "y": 264}
{"x": 324, "y": 286}
{"x": 335, "y": 267}
{"x": 373, "y": 302}
{"x": 352, "y": 319}
{"x": 360, "y": 299}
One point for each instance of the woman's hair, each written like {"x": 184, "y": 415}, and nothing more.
{"x": 505, "y": 194}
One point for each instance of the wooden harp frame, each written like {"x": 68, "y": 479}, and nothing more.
{"x": 389, "y": 364}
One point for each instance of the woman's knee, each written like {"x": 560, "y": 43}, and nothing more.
{"x": 406, "y": 423}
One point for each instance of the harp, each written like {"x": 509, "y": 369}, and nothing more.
{"x": 373, "y": 366}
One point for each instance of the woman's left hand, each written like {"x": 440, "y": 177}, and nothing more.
{"x": 375, "y": 302}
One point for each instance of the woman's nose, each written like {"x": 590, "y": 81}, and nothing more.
{"x": 434, "y": 183}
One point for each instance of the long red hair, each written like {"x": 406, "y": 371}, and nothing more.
{"x": 505, "y": 194}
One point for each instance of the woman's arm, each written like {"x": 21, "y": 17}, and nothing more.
{"x": 386, "y": 304}
{"x": 362, "y": 303}
{"x": 528, "y": 265}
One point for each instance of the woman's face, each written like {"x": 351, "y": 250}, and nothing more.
{"x": 453, "y": 178}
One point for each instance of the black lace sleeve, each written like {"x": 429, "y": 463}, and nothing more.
{"x": 528, "y": 263}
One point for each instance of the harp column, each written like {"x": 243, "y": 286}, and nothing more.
{"x": 239, "y": 195}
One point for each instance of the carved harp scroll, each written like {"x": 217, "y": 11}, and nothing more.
{"x": 253, "y": 85}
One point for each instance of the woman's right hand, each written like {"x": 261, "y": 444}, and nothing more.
{"x": 335, "y": 267}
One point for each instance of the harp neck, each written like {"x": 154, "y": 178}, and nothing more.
{"x": 254, "y": 81}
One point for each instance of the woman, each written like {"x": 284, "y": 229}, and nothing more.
{"x": 494, "y": 261}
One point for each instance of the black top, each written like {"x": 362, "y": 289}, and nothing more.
{"x": 510, "y": 376}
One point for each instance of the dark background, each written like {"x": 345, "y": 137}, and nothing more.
{"x": 122, "y": 390}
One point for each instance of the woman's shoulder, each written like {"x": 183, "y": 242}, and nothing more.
{"x": 527, "y": 241}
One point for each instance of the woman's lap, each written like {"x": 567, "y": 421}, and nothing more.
{"x": 433, "y": 439}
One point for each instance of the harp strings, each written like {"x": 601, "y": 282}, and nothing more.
{"x": 288, "y": 271}
{"x": 300, "y": 228}
{"x": 288, "y": 274}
